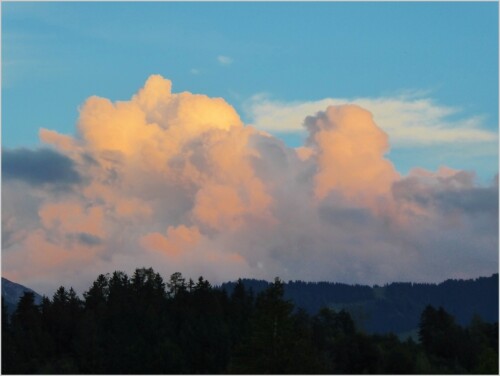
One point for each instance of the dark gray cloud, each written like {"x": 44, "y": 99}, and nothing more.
{"x": 83, "y": 238}
{"x": 311, "y": 123}
{"x": 36, "y": 167}
{"x": 449, "y": 194}
{"x": 473, "y": 201}
{"x": 345, "y": 217}
{"x": 88, "y": 239}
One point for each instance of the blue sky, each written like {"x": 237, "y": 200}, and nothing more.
{"x": 55, "y": 55}
{"x": 154, "y": 180}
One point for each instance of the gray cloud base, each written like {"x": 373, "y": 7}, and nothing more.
{"x": 37, "y": 167}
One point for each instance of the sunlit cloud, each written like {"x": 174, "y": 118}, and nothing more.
{"x": 177, "y": 181}
{"x": 409, "y": 120}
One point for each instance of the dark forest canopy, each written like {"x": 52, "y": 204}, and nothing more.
{"x": 394, "y": 307}
{"x": 143, "y": 324}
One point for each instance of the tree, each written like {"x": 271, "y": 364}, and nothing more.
{"x": 443, "y": 340}
{"x": 98, "y": 293}
{"x": 341, "y": 348}
{"x": 27, "y": 335}
{"x": 268, "y": 349}
{"x": 396, "y": 357}
{"x": 8, "y": 350}
{"x": 176, "y": 284}
{"x": 240, "y": 310}
{"x": 147, "y": 279}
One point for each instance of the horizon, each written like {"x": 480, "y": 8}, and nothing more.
{"x": 285, "y": 282}
{"x": 250, "y": 146}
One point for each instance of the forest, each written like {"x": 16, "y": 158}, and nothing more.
{"x": 141, "y": 324}
{"x": 394, "y": 307}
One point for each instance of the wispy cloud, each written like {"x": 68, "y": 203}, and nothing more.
{"x": 409, "y": 120}
{"x": 224, "y": 60}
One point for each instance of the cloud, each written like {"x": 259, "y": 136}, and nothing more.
{"x": 449, "y": 192}
{"x": 37, "y": 167}
{"x": 224, "y": 60}
{"x": 409, "y": 120}
{"x": 88, "y": 239}
{"x": 178, "y": 182}
{"x": 344, "y": 139}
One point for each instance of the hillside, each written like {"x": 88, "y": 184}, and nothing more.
{"x": 395, "y": 307}
{"x": 11, "y": 292}
{"x": 144, "y": 325}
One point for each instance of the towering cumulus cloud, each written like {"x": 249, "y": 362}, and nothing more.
{"x": 350, "y": 150}
{"x": 178, "y": 182}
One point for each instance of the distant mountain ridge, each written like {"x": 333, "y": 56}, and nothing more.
{"x": 11, "y": 292}
{"x": 395, "y": 307}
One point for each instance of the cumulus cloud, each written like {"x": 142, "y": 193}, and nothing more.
{"x": 178, "y": 182}
{"x": 350, "y": 152}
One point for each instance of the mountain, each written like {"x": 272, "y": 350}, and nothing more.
{"x": 394, "y": 307}
{"x": 12, "y": 292}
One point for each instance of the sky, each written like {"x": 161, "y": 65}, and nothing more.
{"x": 355, "y": 142}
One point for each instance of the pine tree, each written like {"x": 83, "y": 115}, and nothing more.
{"x": 27, "y": 335}
{"x": 266, "y": 350}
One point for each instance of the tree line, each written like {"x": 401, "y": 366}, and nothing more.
{"x": 394, "y": 307}
{"x": 144, "y": 325}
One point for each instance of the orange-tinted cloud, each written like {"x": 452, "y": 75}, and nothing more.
{"x": 178, "y": 240}
{"x": 350, "y": 154}
{"x": 176, "y": 181}
{"x": 70, "y": 217}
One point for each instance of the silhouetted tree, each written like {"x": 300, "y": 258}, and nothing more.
{"x": 27, "y": 335}
{"x": 133, "y": 325}
{"x": 8, "y": 349}
{"x": 270, "y": 347}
